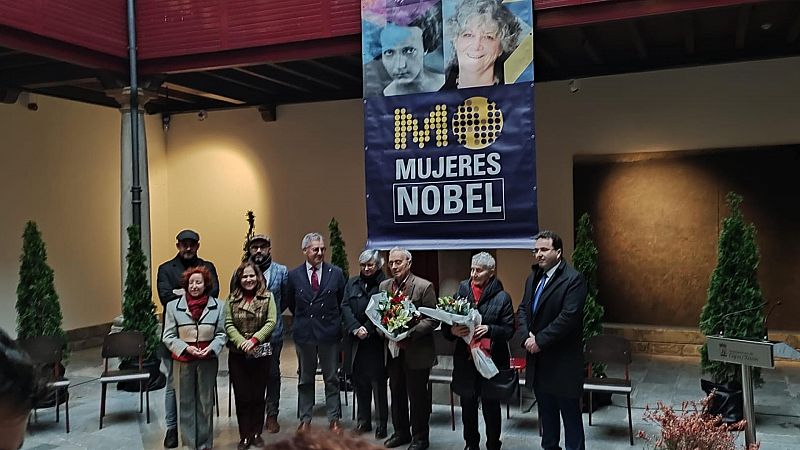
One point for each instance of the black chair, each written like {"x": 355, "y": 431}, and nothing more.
{"x": 609, "y": 349}
{"x": 443, "y": 347}
{"x": 46, "y": 352}
{"x": 125, "y": 344}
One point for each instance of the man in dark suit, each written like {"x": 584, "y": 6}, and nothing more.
{"x": 551, "y": 324}
{"x": 314, "y": 295}
{"x": 409, "y": 372}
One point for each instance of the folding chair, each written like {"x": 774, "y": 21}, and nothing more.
{"x": 46, "y": 352}
{"x": 125, "y": 344}
{"x": 444, "y": 347}
{"x": 609, "y": 349}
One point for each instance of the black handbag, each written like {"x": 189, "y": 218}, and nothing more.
{"x": 502, "y": 386}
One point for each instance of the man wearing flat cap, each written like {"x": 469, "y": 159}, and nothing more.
{"x": 275, "y": 275}
{"x": 169, "y": 288}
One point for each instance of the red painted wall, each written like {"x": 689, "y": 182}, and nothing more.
{"x": 99, "y": 25}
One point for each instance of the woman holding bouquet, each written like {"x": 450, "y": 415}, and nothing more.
{"x": 485, "y": 291}
{"x": 249, "y": 321}
{"x": 364, "y": 347}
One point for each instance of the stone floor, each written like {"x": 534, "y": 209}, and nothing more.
{"x": 669, "y": 379}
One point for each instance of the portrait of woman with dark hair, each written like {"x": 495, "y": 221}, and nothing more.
{"x": 408, "y": 46}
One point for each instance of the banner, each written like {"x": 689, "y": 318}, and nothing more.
{"x": 448, "y": 123}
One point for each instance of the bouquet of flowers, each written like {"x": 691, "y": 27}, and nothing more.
{"x": 455, "y": 305}
{"x": 461, "y": 311}
{"x": 393, "y": 315}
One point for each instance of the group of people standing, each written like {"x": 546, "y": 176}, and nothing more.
{"x": 327, "y": 306}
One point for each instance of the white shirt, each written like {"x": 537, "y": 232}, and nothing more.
{"x": 319, "y": 272}
{"x": 550, "y": 274}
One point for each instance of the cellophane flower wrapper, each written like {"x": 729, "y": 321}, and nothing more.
{"x": 483, "y": 360}
{"x": 408, "y": 311}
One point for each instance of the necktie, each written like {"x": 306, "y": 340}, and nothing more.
{"x": 538, "y": 292}
{"x": 314, "y": 280}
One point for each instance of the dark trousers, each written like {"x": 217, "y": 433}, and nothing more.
{"x": 249, "y": 378}
{"x": 365, "y": 388}
{"x": 409, "y": 386}
{"x": 550, "y": 407}
{"x": 328, "y": 356}
{"x": 491, "y": 415}
{"x": 274, "y": 380}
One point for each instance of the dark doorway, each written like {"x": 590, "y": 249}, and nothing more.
{"x": 657, "y": 217}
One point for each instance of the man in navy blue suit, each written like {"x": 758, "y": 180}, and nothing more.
{"x": 314, "y": 295}
{"x": 551, "y": 324}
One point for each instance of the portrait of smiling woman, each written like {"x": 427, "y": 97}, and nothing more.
{"x": 482, "y": 34}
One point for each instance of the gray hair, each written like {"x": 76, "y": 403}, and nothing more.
{"x": 492, "y": 11}
{"x": 405, "y": 252}
{"x": 371, "y": 255}
{"x": 484, "y": 260}
{"x": 309, "y": 238}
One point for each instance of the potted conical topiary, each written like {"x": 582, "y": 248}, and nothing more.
{"x": 584, "y": 258}
{"x": 139, "y": 312}
{"x": 38, "y": 309}
{"x": 732, "y": 309}
{"x": 251, "y": 226}
{"x": 338, "y": 254}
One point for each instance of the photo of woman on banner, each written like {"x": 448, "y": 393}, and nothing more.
{"x": 405, "y": 55}
{"x": 482, "y": 34}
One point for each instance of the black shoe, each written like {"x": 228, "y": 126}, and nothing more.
{"x": 363, "y": 427}
{"x": 418, "y": 445}
{"x": 472, "y": 447}
{"x": 257, "y": 441}
{"x": 244, "y": 444}
{"x": 171, "y": 439}
{"x": 396, "y": 441}
{"x": 380, "y": 432}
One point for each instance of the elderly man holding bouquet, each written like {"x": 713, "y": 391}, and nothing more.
{"x": 409, "y": 370}
{"x": 485, "y": 291}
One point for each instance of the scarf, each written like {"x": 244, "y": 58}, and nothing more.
{"x": 371, "y": 281}
{"x": 196, "y": 305}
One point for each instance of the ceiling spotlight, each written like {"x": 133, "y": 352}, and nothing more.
{"x": 574, "y": 86}
{"x": 165, "y": 119}
{"x": 766, "y": 26}
{"x": 201, "y": 116}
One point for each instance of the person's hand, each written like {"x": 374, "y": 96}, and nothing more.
{"x": 530, "y": 344}
{"x": 204, "y": 353}
{"x": 459, "y": 330}
{"x": 246, "y": 346}
{"x": 480, "y": 330}
{"x": 178, "y": 291}
{"x": 192, "y": 350}
{"x": 361, "y": 333}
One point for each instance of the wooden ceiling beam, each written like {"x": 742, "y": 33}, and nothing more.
{"x": 638, "y": 42}
{"x": 741, "y": 25}
{"x": 688, "y": 34}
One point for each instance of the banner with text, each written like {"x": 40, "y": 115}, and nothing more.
{"x": 449, "y": 123}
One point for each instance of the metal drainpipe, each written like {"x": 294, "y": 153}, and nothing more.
{"x": 136, "y": 188}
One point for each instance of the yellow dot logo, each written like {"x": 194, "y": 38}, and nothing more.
{"x": 477, "y": 123}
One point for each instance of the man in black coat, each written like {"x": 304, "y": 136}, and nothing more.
{"x": 314, "y": 295}
{"x": 551, "y": 324}
{"x": 168, "y": 284}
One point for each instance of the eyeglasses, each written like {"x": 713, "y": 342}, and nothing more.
{"x": 541, "y": 250}
{"x": 255, "y": 247}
